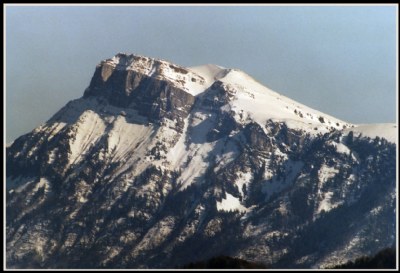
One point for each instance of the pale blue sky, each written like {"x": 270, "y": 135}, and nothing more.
{"x": 340, "y": 60}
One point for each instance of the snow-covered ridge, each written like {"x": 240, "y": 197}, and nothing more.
{"x": 389, "y": 131}
{"x": 250, "y": 98}
{"x": 260, "y": 103}
{"x": 210, "y": 72}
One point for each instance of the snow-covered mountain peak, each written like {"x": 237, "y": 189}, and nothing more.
{"x": 136, "y": 67}
{"x": 135, "y": 81}
{"x": 129, "y": 80}
{"x": 248, "y": 99}
{"x": 157, "y": 158}
{"x": 146, "y": 65}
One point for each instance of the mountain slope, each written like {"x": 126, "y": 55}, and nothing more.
{"x": 159, "y": 165}
{"x": 389, "y": 131}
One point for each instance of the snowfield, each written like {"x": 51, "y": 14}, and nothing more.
{"x": 389, "y": 131}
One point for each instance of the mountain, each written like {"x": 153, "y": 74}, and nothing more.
{"x": 158, "y": 166}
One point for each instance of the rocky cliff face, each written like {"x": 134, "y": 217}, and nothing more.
{"x": 154, "y": 88}
{"x": 158, "y": 166}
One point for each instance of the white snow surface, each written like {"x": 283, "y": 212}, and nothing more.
{"x": 210, "y": 72}
{"x": 261, "y": 103}
{"x": 43, "y": 183}
{"x": 340, "y": 147}
{"x": 124, "y": 137}
{"x": 326, "y": 203}
{"x": 389, "y": 131}
{"x": 192, "y": 156}
{"x": 326, "y": 173}
{"x": 89, "y": 129}
{"x": 244, "y": 178}
{"x": 230, "y": 203}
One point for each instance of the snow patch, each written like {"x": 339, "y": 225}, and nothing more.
{"x": 325, "y": 173}
{"x": 55, "y": 129}
{"x": 231, "y": 203}
{"x": 326, "y": 203}
{"x": 125, "y": 137}
{"x": 376, "y": 210}
{"x": 89, "y": 129}
{"x": 340, "y": 147}
{"x": 178, "y": 153}
{"x": 43, "y": 183}
{"x": 192, "y": 159}
{"x": 244, "y": 178}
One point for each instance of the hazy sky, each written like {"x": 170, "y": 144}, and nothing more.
{"x": 340, "y": 60}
